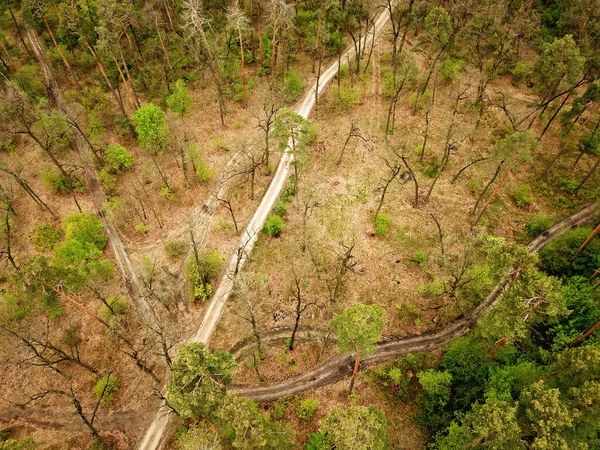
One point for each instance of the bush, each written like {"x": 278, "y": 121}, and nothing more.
{"x": 474, "y": 185}
{"x": 422, "y": 101}
{"x": 166, "y": 193}
{"x": 345, "y": 99}
{"x": 450, "y": 69}
{"x": 45, "y": 237}
{"x": 541, "y": 222}
{"x": 280, "y": 208}
{"x": 105, "y": 389}
{"x": 522, "y": 196}
{"x": 201, "y": 271}
{"x": 175, "y": 249}
{"x": 521, "y": 71}
{"x": 107, "y": 179}
{"x": 419, "y": 258}
{"x": 558, "y": 258}
{"x": 114, "y": 312}
{"x": 141, "y": 228}
{"x": 58, "y": 183}
{"x": 279, "y": 409}
{"x": 219, "y": 143}
{"x": 273, "y": 225}
{"x": 292, "y": 86}
{"x": 307, "y": 409}
{"x": 119, "y": 158}
{"x": 318, "y": 441}
{"x": 381, "y": 222}
{"x": 85, "y": 228}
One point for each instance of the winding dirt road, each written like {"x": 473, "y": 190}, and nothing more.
{"x": 153, "y": 438}
{"x": 342, "y": 367}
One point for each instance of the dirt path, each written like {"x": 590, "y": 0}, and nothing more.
{"x": 156, "y": 431}
{"x": 342, "y": 367}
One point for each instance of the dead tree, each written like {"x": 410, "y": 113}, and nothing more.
{"x": 394, "y": 168}
{"x": 7, "y": 202}
{"x": 266, "y": 120}
{"x": 353, "y": 133}
{"x": 300, "y": 305}
{"x": 346, "y": 263}
{"x": 227, "y": 204}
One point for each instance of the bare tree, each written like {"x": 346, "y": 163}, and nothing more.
{"x": 346, "y": 263}
{"x": 353, "y": 133}
{"x": 300, "y": 305}
{"x": 266, "y": 121}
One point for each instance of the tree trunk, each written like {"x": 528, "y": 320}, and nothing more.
{"x": 487, "y": 187}
{"x": 162, "y": 45}
{"x": 490, "y": 199}
{"x": 588, "y": 175}
{"x": 62, "y": 55}
{"x": 554, "y": 116}
{"x": 355, "y": 373}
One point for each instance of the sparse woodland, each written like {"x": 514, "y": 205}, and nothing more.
{"x": 137, "y": 141}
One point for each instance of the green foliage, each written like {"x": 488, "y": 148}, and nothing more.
{"x": 204, "y": 173}
{"x": 289, "y": 123}
{"x": 450, "y": 69}
{"x": 418, "y": 258}
{"x": 166, "y": 193}
{"x": 273, "y": 225}
{"x": 20, "y": 444}
{"x": 345, "y": 98}
{"x": 105, "y": 389}
{"x": 358, "y": 327}
{"x": 175, "y": 249}
{"x": 141, "y": 228}
{"x": 515, "y": 149}
{"x": 201, "y": 270}
{"x": 151, "y": 128}
{"x": 559, "y": 62}
{"x": 381, "y": 222}
{"x": 198, "y": 438}
{"x": 436, "y": 385}
{"x": 474, "y": 185}
{"x": 114, "y": 312}
{"x": 58, "y": 183}
{"x": 280, "y": 208}
{"x": 522, "y": 196}
{"x": 179, "y": 101}
{"x": 318, "y": 441}
{"x": 107, "y": 179}
{"x": 45, "y": 237}
{"x": 558, "y": 258}
{"x": 521, "y": 71}
{"x": 118, "y": 158}
{"x": 292, "y": 86}
{"x": 81, "y": 250}
{"x": 219, "y": 143}
{"x": 199, "y": 381}
{"x": 247, "y": 428}
{"x": 423, "y": 100}
{"x": 356, "y": 428}
{"x": 541, "y": 222}
{"x": 307, "y": 409}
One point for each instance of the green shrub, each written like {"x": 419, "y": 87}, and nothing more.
{"x": 114, "y": 312}
{"x": 541, "y": 222}
{"x": 119, "y": 158}
{"x": 45, "y": 237}
{"x": 474, "y": 185}
{"x": 106, "y": 388}
{"x": 21, "y": 444}
{"x": 219, "y": 143}
{"x": 558, "y": 257}
{"x": 522, "y": 196}
{"x": 307, "y": 409}
{"x": 450, "y": 69}
{"x": 201, "y": 271}
{"x": 381, "y": 222}
{"x": 107, "y": 179}
{"x": 273, "y": 225}
{"x": 280, "y": 208}
{"x": 141, "y": 228}
{"x": 568, "y": 185}
{"x": 279, "y": 409}
{"x": 58, "y": 183}
{"x": 318, "y": 441}
{"x": 521, "y": 71}
{"x": 292, "y": 86}
{"x": 166, "y": 193}
{"x": 345, "y": 99}
{"x": 418, "y": 258}
{"x": 175, "y": 249}
{"x": 204, "y": 173}
{"x": 422, "y": 101}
